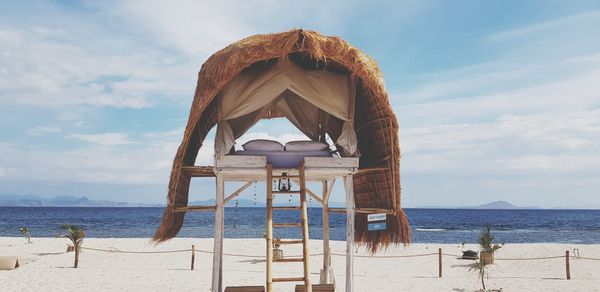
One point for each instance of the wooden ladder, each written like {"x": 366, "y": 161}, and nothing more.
{"x": 302, "y": 224}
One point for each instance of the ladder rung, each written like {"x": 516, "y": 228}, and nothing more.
{"x": 287, "y": 224}
{"x": 293, "y": 241}
{"x": 286, "y": 260}
{"x": 286, "y": 208}
{"x": 297, "y": 279}
{"x": 286, "y": 192}
{"x": 285, "y": 176}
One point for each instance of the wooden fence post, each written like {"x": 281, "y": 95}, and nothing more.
{"x": 568, "y": 266}
{"x": 193, "y": 255}
{"x": 440, "y": 262}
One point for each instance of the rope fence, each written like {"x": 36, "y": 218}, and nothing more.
{"x": 112, "y": 249}
{"x": 529, "y": 259}
{"x": 586, "y": 258}
{"x": 388, "y": 257}
{"x": 439, "y": 254}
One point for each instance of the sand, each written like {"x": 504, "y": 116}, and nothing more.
{"x": 47, "y": 267}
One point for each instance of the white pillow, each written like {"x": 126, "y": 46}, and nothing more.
{"x": 262, "y": 144}
{"x": 305, "y": 146}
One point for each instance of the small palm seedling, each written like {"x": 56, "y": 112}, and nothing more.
{"x": 25, "y": 232}
{"x": 479, "y": 267}
{"x": 76, "y": 235}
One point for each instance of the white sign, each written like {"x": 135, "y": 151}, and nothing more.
{"x": 376, "y": 217}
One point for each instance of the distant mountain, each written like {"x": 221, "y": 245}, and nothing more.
{"x": 497, "y": 205}
{"x": 500, "y": 205}
{"x": 7, "y": 200}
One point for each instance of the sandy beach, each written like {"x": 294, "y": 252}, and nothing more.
{"x": 47, "y": 267}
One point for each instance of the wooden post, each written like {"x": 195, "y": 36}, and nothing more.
{"x": 349, "y": 186}
{"x": 440, "y": 262}
{"x": 305, "y": 235}
{"x": 269, "y": 226}
{"x": 193, "y": 256}
{"x": 217, "y": 274}
{"x": 326, "y": 251}
{"x": 568, "y": 265}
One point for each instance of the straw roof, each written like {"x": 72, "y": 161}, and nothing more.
{"x": 375, "y": 124}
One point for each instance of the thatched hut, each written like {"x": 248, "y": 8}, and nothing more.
{"x": 363, "y": 125}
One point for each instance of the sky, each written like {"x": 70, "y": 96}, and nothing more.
{"x": 496, "y": 100}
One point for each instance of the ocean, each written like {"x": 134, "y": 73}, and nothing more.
{"x": 428, "y": 225}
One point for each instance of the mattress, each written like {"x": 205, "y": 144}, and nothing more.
{"x": 284, "y": 159}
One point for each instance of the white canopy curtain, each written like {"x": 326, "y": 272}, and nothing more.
{"x": 307, "y": 98}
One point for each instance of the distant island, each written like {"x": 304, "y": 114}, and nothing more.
{"x": 501, "y": 205}
{"x": 497, "y": 205}
{"x": 8, "y": 200}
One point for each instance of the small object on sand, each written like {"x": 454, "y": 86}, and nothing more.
{"x": 8, "y": 263}
{"x": 470, "y": 255}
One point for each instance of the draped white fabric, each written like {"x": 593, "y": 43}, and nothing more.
{"x": 306, "y": 98}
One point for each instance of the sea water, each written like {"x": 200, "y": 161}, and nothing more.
{"x": 427, "y": 225}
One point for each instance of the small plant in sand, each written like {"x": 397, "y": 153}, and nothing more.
{"x": 480, "y": 268}
{"x": 488, "y": 247}
{"x": 76, "y": 235}
{"x": 25, "y": 232}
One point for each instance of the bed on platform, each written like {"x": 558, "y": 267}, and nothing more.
{"x": 288, "y": 156}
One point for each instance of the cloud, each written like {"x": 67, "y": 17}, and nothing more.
{"x": 506, "y": 144}
{"x": 504, "y": 130}
{"x": 111, "y": 161}
{"x": 200, "y": 28}
{"x": 507, "y": 75}
{"x": 524, "y": 126}
{"x": 540, "y": 28}
{"x": 110, "y": 158}
{"x": 41, "y": 130}
{"x": 524, "y": 121}
{"x": 172, "y": 135}
{"x": 105, "y": 139}
{"x": 41, "y": 70}
{"x": 195, "y": 27}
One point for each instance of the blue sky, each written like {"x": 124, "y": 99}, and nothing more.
{"x": 497, "y": 100}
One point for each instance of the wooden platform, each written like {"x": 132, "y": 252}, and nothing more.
{"x": 245, "y": 289}
{"x": 317, "y": 288}
{"x": 245, "y": 168}
{"x": 199, "y": 171}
